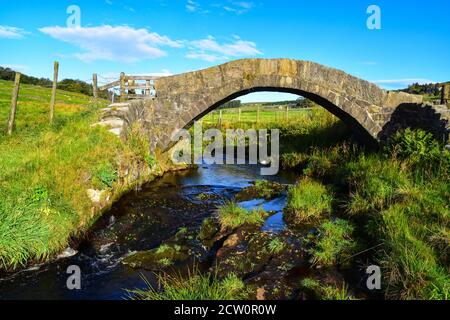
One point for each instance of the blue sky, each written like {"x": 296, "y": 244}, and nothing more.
{"x": 174, "y": 36}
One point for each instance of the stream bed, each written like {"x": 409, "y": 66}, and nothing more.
{"x": 143, "y": 220}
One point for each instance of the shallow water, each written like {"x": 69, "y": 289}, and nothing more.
{"x": 141, "y": 221}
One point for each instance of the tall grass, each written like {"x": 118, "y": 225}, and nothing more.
{"x": 334, "y": 244}
{"x": 46, "y": 170}
{"x": 308, "y": 200}
{"x": 195, "y": 286}
{"x": 397, "y": 198}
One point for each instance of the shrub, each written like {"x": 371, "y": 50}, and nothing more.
{"x": 307, "y": 200}
{"x": 333, "y": 244}
{"x": 417, "y": 146}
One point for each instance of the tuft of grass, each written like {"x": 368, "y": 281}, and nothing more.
{"x": 333, "y": 244}
{"x": 276, "y": 245}
{"x": 326, "y": 292}
{"x": 308, "y": 200}
{"x": 410, "y": 266}
{"x": 266, "y": 189}
{"x": 196, "y": 286}
{"x": 233, "y": 216}
{"x": 165, "y": 262}
{"x": 162, "y": 249}
{"x": 376, "y": 183}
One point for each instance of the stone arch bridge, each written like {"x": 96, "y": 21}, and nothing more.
{"x": 181, "y": 99}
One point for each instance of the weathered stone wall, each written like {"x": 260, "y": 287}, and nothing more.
{"x": 183, "y": 98}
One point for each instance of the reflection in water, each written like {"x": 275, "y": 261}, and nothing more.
{"x": 142, "y": 221}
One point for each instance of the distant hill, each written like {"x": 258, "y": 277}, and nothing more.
{"x": 71, "y": 85}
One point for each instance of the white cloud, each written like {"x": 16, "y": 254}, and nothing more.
{"x": 210, "y": 50}
{"x": 119, "y": 43}
{"x": 204, "y": 56}
{"x": 12, "y": 32}
{"x": 192, "y": 6}
{"x": 401, "y": 83}
{"x": 131, "y": 9}
{"x": 239, "y": 7}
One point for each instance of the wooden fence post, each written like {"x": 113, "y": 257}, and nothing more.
{"x": 94, "y": 85}
{"x": 15, "y": 95}
{"x": 287, "y": 113}
{"x": 240, "y": 113}
{"x": 148, "y": 88}
{"x": 445, "y": 94}
{"x": 55, "y": 84}
{"x": 122, "y": 86}
{"x": 220, "y": 118}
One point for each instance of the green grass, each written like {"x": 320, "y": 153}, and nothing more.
{"x": 396, "y": 198}
{"x": 276, "y": 245}
{"x": 249, "y": 115}
{"x": 196, "y": 286}
{"x": 333, "y": 244}
{"x": 233, "y": 216}
{"x": 308, "y": 201}
{"x": 326, "y": 292}
{"x": 34, "y": 105}
{"x": 45, "y": 171}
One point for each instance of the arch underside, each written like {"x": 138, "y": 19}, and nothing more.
{"x": 348, "y": 119}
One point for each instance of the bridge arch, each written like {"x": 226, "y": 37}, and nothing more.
{"x": 184, "y": 98}
{"x": 326, "y": 104}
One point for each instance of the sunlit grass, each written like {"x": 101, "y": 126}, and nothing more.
{"x": 308, "y": 200}
{"x": 45, "y": 171}
{"x": 194, "y": 286}
{"x": 233, "y": 216}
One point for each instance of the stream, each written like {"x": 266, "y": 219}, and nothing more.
{"x": 143, "y": 220}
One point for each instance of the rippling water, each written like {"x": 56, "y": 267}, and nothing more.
{"x": 141, "y": 221}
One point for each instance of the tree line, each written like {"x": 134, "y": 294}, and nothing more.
{"x": 431, "y": 89}
{"x": 71, "y": 85}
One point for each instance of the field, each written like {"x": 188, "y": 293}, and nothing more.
{"x": 45, "y": 171}
{"x": 249, "y": 115}
{"x": 33, "y": 106}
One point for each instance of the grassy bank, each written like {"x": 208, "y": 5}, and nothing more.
{"x": 398, "y": 198}
{"x": 46, "y": 170}
{"x": 392, "y": 205}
